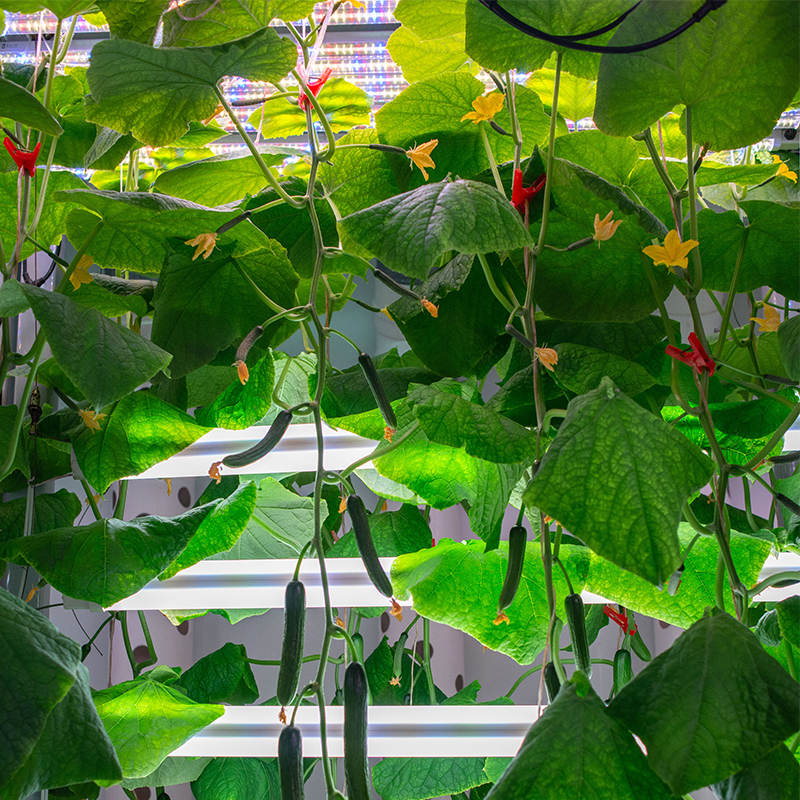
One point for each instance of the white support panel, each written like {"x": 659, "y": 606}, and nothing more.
{"x": 392, "y": 732}
{"x": 262, "y": 583}
{"x": 258, "y": 583}
{"x": 296, "y": 452}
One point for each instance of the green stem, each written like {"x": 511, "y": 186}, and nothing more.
{"x": 426, "y": 639}
{"x": 777, "y": 577}
{"x": 153, "y": 657}
{"x": 51, "y": 72}
{"x": 495, "y": 289}
{"x": 726, "y": 316}
{"x": 549, "y": 163}
{"x": 646, "y": 136}
{"x": 90, "y": 499}
{"x": 119, "y": 509}
{"x": 126, "y": 640}
{"x": 380, "y": 450}
{"x": 748, "y": 507}
{"x": 516, "y": 132}
{"x": 774, "y": 439}
{"x": 690, "y": 517}
{"x": 518, "y": 682}
{"x": 267, "y": 300}
{"x": 330, "y": 147}
{"x": 492, "y": 162}
{"x": 787, "y": 651}
{"x": 697, "y": 276}
{"x": 268, "y": 174}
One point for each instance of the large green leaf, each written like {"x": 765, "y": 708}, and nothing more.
{"x": 223, "y": 676}
{"x": 393, "y": 532}
{"x": 73, "y": 747}
{"x": 458, "y": 583}
{"x": 616, "y": 476}
{"x": 206, "y": 22}
{"x": 135, "y": 20}
{"x": 789, "y": 343}
{"x": 774, "y": 777}
{"x": 241, "y": 406}
{"x": 697, "y": 587}
{"x": 576, "y": 95}
{"x": 411, "y": 231}
{"x": 431, "y": 39}
{"x": 187, "y": 300}
{"x": 154, "y": 93}
{"x": 281, "y": 524}
{"x": 771, "y": 249}
{"x": 731, "y": 702}
{"x": 61, "y": 8}
{"x": 577, "y": 751}
{"x": 140, "y": 431}
{"x": 219, "y": 179}
{"x": 39, "y": 666}
{"x": 696, "y": 70}
{"x": 219, "y": 531}
{"x": 448, "y": 418}
{"x": 108, "y": 302}
{"x": 147, "y": 720}
{"x": 20, "y": 105}
{"x": 170, "y": 772}
{"x": 103, "y": 359}
{"x": 238, "y": 779}
{"x": 581, "y": 368}
{"x": 345, "y": 106}
{"x": 605, "y": 282}
{"x": 110, "y": 559}
{"x": 442, "y": 476}
{"x": 55, "y": 510}
{"x": 469, "y": 323}
{"x": 789, "y": 619}
{"x": 494, "y": 44}
{"x": 421, "y": 778}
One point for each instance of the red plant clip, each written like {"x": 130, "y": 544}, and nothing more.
{"x": 24, "y": 159}
{"x": 314, "y": 87}
{"x": 696, "y": 357}
{"x": 520, "y": 195}
{"x": 620, "y": 618}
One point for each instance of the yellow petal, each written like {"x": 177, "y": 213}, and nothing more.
{"x": 81, "y": 274}
{"x": 431, "y": 308}
{"x": 485, "y": 107}
{"x": 204, "y": 244}
{"x": 91, "y": 419}
{"x": 548, "y": 357}
{"x": 421, "y": 156}
{"x": 770, "y": 322}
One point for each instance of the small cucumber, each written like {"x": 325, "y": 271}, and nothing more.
{"x": 357, "y": 650}
{"x": 271, "y": 438}
{"x": 399, "y": 651}
{"x": 573, "y": 607}
{"x": 290, "y": 763}
{"x": 639, "y": 647}
{"x": 371, "y": 374}
{"x": 623, "y": 673}
{"x": 366, "y": 547}
{"x": 551, "y": 681}
{"x": 517, "y": 538}
{"x": 356, "y": 767}
{"x": 294, "y": 621}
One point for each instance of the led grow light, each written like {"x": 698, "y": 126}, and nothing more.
{"x": 392, "y": 731}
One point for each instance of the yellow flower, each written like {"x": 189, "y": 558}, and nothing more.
{"x": 214, "y": 473}
{"x": 385, "y": 310}
{"x": 421, "y": 156}
{"x": 217, "y": 111}
{"x": 501, "y": 617}
{"x": 431, "y": 308}
{"x": 674, "y": 251}
{"x": 203, "y": 244}
{"x": 548, "y": 357}
{"x": 81, "y": 274}
{"x": 91, "y": 419}
{"x": 605, "y": 228}
{"x": 396, "y": 611}
{"x": 395, "y": 681}
{"x": 485, "y": 107}
{"x": 388, "y": 433}
{"x": 242, "y": 371}
{"x": 770, "y": 322}
{"x": 783, "y": 170}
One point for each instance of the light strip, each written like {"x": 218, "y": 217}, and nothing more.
{"x": 392, "y": 731}
{"x": 297, "y": 452}
{"x": 262, "y": 583}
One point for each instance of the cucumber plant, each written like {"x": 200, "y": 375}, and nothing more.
{"x": 599, "y": 327}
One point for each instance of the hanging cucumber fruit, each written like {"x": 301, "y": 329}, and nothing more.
{"x": 517, "y": 539}
{"x": 371, "y": 374}
{"x": 366, "y": 547}
{"x": 294, "y": 621}
{"x": 573, "y": 607}
{"x": 290, "y": 763}
{"x": 356, "y": 767}
{"x": 270, "y": 440}
{"x": 623, "y": 672}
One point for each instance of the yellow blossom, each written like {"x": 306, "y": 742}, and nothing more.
{"x": 81, "y": 274}
{"x": 342, "y": 504}
{"x": 217, "y": 111}
{"x": 203, "y": 244}
{"x": 339, "y": 622}
{"x": 771, "y": 320}
{"x": 282, "y": 715}
{"x": 673, "y": 253}
{"x": 783, "y": 170}
{"x": 501, "y": 618}
{"x": 385, "y": 310}
{"x": 388, "y": 432}
{"x": 395, "y": 681}
{"x": 421, "y": 156}
{"x": 243, "y": 372}
{"x": 605, "y": 228}
{"x": 431, "y": 308}
{"x": 214, "y": 473}
{"x": 548, "y": 357}
{"x": 485, "y": 107}
{"x": 91, "y": 419}
{"x": 396, "y": 611}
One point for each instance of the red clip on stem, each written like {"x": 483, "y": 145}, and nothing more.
{"x": 620, "y": 618}
{"x": 520, "y": 195}
{"x": 314, "y": 87}
{"x": 24, "y": 159}
{"x": 696, "y": 357}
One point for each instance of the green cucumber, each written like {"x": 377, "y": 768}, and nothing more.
{"x": 294, "y": 621}
{"x": 573, "y": 607}
{"x": 623, "y": 672}
{"x": 366, "y": 547}
{"x": 371, "y": 374}
{"x": 399, "y": 651}
{"x": 639, "y": 647}
{"x": 551, "y": 681}
{"x": 517, "y": 539}
{"x": 290, "y": 763}
{"x": 271, "y": 438}
{"x": 357, "y": 650}
{"x": 356, "y": 766}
